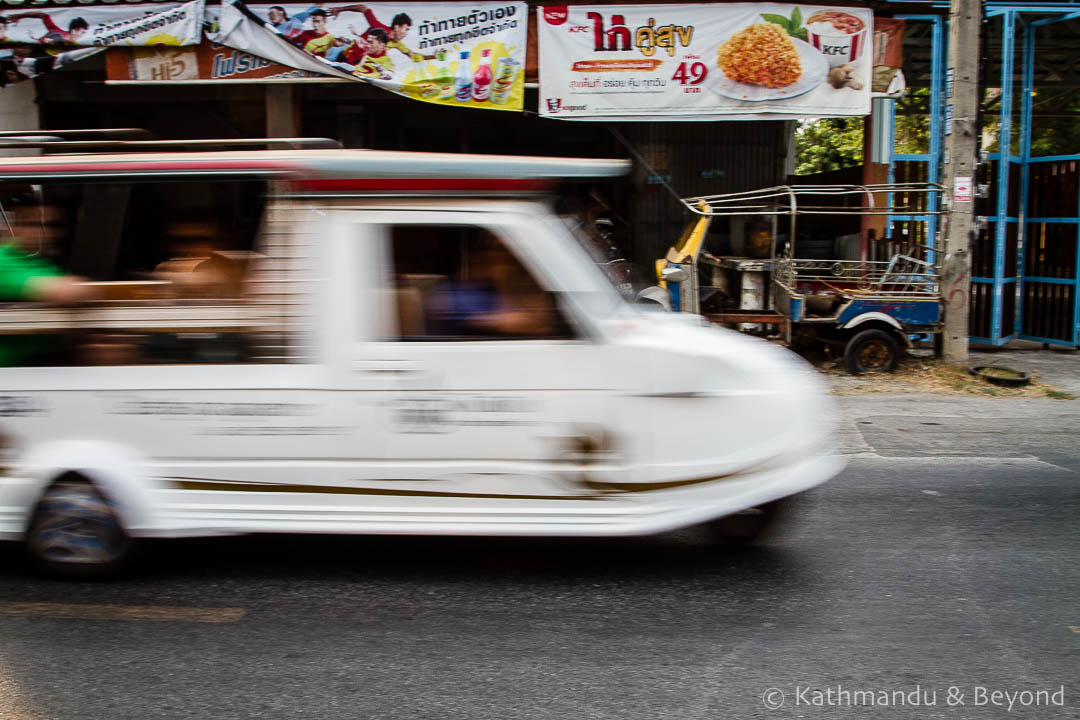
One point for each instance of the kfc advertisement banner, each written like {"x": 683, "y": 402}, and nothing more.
{"x": 695, "y": 62}
{"x": 457, "y": 54}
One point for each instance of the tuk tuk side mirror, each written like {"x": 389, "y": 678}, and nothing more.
{"x": 673, "y": 274}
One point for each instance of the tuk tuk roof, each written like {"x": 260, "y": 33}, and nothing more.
{"x": 910, "y": 198}
{"x": 323, "y": 170}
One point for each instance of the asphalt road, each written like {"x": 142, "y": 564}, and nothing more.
{"x": 942, "y": 562}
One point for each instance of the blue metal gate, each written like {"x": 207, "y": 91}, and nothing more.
{"x": 1025, "y": 260}
{"x": 1026, "y": 251}
{"x": 1050, "y": 202}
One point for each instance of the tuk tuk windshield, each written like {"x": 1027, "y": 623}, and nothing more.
{"x": 605, "y": 254}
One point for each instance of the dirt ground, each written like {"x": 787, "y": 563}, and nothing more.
{"x": 920, "y": 372}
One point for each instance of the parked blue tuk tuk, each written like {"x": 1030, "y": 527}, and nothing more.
{"x": 861, "y": 295}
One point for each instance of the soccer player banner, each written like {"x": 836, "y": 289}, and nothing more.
{"x": 38, "y": 40}
{"x": 458, "y": 54}
{"x": 132, "y": 25}
{"x": 25, "y": 61}
{"x": 697, "y": 62}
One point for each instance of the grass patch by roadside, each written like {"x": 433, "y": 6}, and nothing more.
{"x": 920, "y": 374}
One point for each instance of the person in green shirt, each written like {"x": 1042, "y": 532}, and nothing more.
{"x": 27, "y": 278}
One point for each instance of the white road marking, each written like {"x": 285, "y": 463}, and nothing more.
{"x": 955, "y": 459}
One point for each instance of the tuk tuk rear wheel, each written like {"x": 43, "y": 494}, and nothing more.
{"x": 871, "y": 352}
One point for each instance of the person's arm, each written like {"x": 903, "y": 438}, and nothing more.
{"x": 58, "y": 289}
{"x": 27, "y": 278}
{"x": 401, "y": 48}
{"x": 522, "y": 322}
{"x": 20, "y": 16}
{"x": 303, "y": 15}
{"x": 373, "y": 21}
{"x": 334, "y": 12}
{"x": 520, "y": 312}
{"x": 295, "y": 24}
{"x": 50, "y": 26}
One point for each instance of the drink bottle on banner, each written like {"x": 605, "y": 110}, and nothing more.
{"x": 506, "y": 72}
{"x": 445, "y": 76}
{"x": 463, "y": 81}
{"x": 482, "y": 80}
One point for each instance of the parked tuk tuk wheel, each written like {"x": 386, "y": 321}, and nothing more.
{"x": 871, "y": 352}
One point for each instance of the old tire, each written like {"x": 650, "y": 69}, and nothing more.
{"x": 752, "y": 524}
{"x": 76, "y": 533}
{"x": 871, "y": 352}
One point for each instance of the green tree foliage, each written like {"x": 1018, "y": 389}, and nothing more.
{"x": 911, "y": 131}
{"x": 1056, "y": 134}
{"x": 836, "y": 143}
{"x": 912, "y": 135}
{"x": 1055, "y": 127}
{"x": 828, "y": 144}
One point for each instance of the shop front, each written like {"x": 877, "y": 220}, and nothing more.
{"x": 691, "y": 135}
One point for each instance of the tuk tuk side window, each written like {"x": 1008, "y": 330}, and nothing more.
{"x": 461, "y": 282}
{"x": 128, "y": 253}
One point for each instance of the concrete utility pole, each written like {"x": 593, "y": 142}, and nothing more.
{"x": 961, "y": 146}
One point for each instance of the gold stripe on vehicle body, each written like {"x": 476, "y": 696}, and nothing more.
{"x": 613, "y": 488}
{"x": 602, "y": 490}
{"x": 240, "y": 486}
{"x": 616, "y": 488}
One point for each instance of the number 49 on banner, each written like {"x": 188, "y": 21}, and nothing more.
{"x": 690, "y": 73}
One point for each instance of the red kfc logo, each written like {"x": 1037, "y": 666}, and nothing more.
{"x": 556, "y": 15}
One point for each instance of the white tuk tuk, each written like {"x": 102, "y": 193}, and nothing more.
{"x": 350, "y": 341}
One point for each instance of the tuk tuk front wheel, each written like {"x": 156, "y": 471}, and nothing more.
{"x": 76, "y": 533}
{"x": 871, "y": 352}
{"x": 752, "y": 524}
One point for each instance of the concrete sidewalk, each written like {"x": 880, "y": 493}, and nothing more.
{"x": 888, "y": 416}
{"x": 1056, "y": 366}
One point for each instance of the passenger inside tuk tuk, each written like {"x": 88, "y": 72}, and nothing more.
{"x": 26, "y": 229}
{"x": 138, "y": 248}
{"x": 493, "y": 296}
{"x": 471, "y": 286}
{"x": 197, "y": 265}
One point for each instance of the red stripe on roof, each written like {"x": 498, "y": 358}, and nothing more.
{"x": 426, "y": 184}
